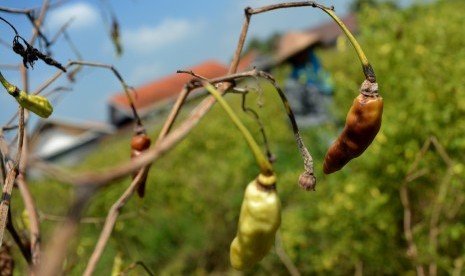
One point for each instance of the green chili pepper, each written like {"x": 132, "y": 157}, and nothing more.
{"x": 259, "y": 220}
{"x": 35, "y": 103}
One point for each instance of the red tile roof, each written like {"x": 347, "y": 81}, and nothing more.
{"x": 167, "y": 87}
{"x": 292, "y": 43}
{"x": 247, "y": 61}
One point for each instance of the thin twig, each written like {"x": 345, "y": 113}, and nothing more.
{"x": 412, "y": 251}
{"x": 29, "y": 205}
{"x": 110, "y": 222}
{"x": 134, "y": 265}
{"x": 12, "y": 172}
{"x": 11, "y": 228}
{"x": 281, "y": 252}
{"x": 241, "y": 42}
{"x": 288, "y": 5}
{"x": 37, "y": 23}
{"x": 190, "y": 72}
{"x": 17, "y": 11}
{"x": 307, "y": 179}
{"x": 435, "y": 215}
{"x": 84, "y": 63}
{"x": 411, "y": 175}
{"x": 439, "y": 201}
{"x": 252, "y": 113}
{"x": 9, "y": 24}
{"x": 32, "y": 217}
{"x": 173, "y": 114}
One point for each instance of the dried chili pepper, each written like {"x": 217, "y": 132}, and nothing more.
{"x": 139, "y": 143}
{"x": 259, "y": 219}
{"x": 362, "y": 124}
{"x": 30, "y": 54}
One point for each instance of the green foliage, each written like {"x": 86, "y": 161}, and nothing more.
{"x": 264, "y": 46}
{"x": 419, "y": 61}
{"x": 358, "y": 5}
{"x": 354, "y": 220}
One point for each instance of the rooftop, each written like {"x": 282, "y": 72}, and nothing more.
{"x": 167, "y": 87}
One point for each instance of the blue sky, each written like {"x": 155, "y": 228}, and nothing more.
{"x": 158, "y": 38}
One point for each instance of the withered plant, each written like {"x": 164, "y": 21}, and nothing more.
{"x": 46, "y": 257}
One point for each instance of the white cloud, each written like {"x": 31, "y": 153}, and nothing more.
{"x": 151, "y": 38}
{"x": 82, "y": 14}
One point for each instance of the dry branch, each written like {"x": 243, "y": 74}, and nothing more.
{"x": 12, "y": 172}
{"x": 437, "y": 208}
{"x": 110, "y": 221}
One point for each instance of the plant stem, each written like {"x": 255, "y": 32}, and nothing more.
{"x": 11, "y": 89}
{"x": 265, "y": 166}
{"x": 306, "y": 156}
{"x": 367, "y": 69}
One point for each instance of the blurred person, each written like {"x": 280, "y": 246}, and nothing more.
{"x": 309, "y": 86}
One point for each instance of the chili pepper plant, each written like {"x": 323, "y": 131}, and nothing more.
{"x": 260, "y": 214}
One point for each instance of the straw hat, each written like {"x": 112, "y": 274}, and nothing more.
{"x": 292, "y": 43}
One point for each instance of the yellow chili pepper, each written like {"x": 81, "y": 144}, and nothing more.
{"x": 259, "y": 220}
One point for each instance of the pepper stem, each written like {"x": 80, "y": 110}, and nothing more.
{"x": 367, "y": 69}
{"x": 8, "y": 86}
{"x": 265, "y": 166}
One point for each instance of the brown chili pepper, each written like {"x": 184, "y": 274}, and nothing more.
{"x": 139, "y": 143}
{"x": 362, "y": 124}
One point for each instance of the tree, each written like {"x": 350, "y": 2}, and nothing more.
{"x": 357, "y": 5}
